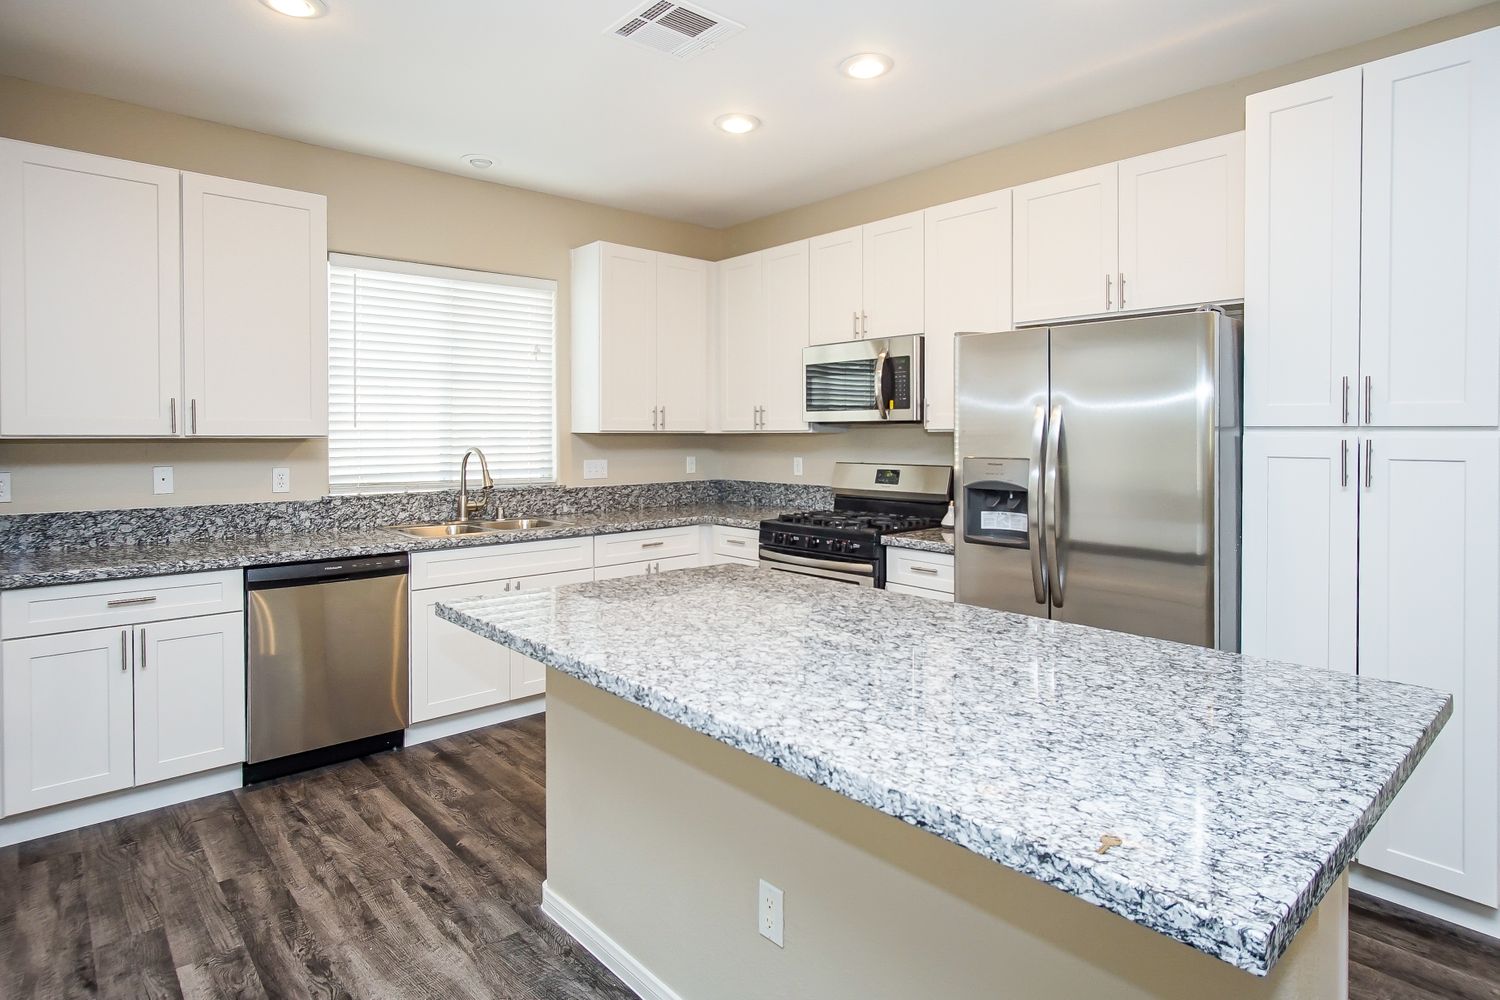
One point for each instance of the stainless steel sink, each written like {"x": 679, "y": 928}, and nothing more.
{"x": 452, "y": 529}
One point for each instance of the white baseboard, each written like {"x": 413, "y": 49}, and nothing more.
{"x": 603, "y": 947}
{"x": 126, "y": 802}
{"x": 463, "y": 722}
{"x": 1475, "y": 916}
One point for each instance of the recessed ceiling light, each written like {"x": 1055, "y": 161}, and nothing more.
{"x": 298, "y": 8}
{"x": 866, "y": 66}
{"x": 479, "y": 162}
{"x": 737, "y": 123}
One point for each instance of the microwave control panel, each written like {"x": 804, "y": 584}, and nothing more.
{"x": 901, "y": 382}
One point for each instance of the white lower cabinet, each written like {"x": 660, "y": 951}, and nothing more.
{"x": 1385, "y": 559}
{"x": 920, "y": 573}
{"x": 103, "y": 709}
{"x": 647, "y": 567}
{"x": 728, "y": 544}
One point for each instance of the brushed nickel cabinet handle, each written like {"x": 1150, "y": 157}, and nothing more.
{"x": 864, "y": 324}
{"x": 1344, "y": 463}
{"x": 663, "y": 418}
{"x": 1345, "y": 390}
{"x": 924, "y": 569}
{"x": 125, "y": 602}
{"x": 652, "y": 545}
{"x": 124, "y": 650}
{"x": 1122, "y": 289}
{"x": 193, "y": 410}
{"x": 1369, "y": 462}
{"x": 854, "y": 326}
{"x": 172, "y": 411}
{"x": 1108, "y": 292}
{"x": 1367, "y": 399}
{"x": 735, "y": 541}
{"x": 143, "y": 648}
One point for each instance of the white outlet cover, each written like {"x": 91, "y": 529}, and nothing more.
{"x": 4, "y": 487}
{"x": 692, "y": 464}
{"x": 281, "y": 480}
{"x": 161, "y": 479}
{"x": 768, "y": 913}
{"x": 596, "y": 468}
{"x": 797, "y": 466}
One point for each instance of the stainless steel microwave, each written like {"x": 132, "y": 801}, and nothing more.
{"x": 861, "y": 381}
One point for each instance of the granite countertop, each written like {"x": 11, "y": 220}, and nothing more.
{"x": 112, "y": 562}
{"x": 1240, "y": 788}
{"x": 927, "y": 540}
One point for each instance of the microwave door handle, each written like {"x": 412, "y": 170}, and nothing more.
{"x": 1034, "y": 506}
{"x": 880, "y": 385}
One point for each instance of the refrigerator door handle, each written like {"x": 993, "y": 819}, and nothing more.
{"x": 1034, "y": 505}
{"x": 1051, "y": 491}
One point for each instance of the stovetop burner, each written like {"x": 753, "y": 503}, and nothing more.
{"x": 844, "y": 520}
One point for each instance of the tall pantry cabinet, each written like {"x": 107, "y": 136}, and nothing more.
{"x": 1372, "y": 400}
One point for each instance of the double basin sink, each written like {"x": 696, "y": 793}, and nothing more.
{"x": 454, "y": 529}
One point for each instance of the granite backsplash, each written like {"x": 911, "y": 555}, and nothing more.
{"x": 358, "y": 512}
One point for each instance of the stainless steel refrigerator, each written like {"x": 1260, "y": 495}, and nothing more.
{"x": 1099, "y": 474}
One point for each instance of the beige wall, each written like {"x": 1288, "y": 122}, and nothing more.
{"x": 375, "y": 207}
{"x": 386, "y": 209}
{"x": 1198, "y": 115}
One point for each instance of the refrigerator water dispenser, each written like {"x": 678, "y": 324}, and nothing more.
{"x": 996, "y": 501}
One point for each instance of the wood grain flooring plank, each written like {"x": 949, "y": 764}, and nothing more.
{"x": 53, "y": 948}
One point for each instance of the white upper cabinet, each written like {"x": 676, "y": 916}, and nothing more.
{"x": 1067, "y": 245}
{"x": 763, "y": 316}
{"x": 1430, "y": 310}
{"x": 742, "y": 327}
{"x": 1429, "y": 583}
{"x": 1302, "y": 234}
{"x": 836, "y": 287}
{"x": 892, "y": 263}
{"x": 90, "y": 295}
{"x": 785, "y": 274}
{"x": 1300, "y": 559}
{"x": 682, "y": 321}
{"x": 640, "y": 340}
{"x": 255, "y": 309}
{"x": 1182, "y": 225}
{"x": 968, "y": 268}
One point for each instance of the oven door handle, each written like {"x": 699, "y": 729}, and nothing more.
{"x": 864, "y": 573}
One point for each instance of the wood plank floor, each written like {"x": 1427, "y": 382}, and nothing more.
{"x": 407, "y": 875}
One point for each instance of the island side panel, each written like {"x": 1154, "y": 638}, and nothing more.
{"x": 657, "y": 837}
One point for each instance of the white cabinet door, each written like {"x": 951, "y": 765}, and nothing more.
{"x": 1430, "y": 319}
{"x": 663, "y": 565}
{"x": 255, "y": 309}
{"x": 1300, "y": 547}
{"x": 742, "y": 323}
{"x": 90, "y": 304}
{"x": 1066, "y": 245}
{"x": 528, "y": 677}
{"x": 835, "y": 285}
{"x": 452, "y": 669}
{"x": 1302, "y": 291}
{"x": 682, "y": 322}
{"x": 1182, "y": 225}
{"x": 627, "y": 339}
{"x": 1429, "y": 580}
{"x": 785, "y": 274}
{"x": 968, "y": 269}
{"x": 893, "y": 277}
{"x": 189, "y": 696}
{"x": 67, "y": 717}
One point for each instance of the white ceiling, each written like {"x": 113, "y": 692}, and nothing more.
{"x": 562, "y": 107}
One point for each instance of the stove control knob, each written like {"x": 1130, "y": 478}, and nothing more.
{"x": 815, "y": 543}
{"x": 794, "y": 539}
{"x": 836, "y": 545}
{"x": 777, "y": 537}
{"x": 852, "y": 547}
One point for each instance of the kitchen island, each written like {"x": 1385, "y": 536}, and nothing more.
{"x": 1212, "y": 801}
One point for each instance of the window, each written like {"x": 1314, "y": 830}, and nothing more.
{"x": 424, "y": 362}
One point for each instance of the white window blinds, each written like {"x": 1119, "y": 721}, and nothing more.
{"x": 425, "y": 362}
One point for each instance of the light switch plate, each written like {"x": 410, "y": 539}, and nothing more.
{"x": 161, "y": 479}
{"x": 281, "y": 480}
{"x": 596, "y": 468}
{"x": 692, "y": 464}
{"x": 4, "y": 487}
{"x": 797, "y": 466}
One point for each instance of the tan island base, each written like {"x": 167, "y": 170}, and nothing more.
{"x": 657, "y": 838}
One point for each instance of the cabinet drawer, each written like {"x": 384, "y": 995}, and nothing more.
{"x": 482, "y": 563}
{"x": 646, "y": 567}
{"x": 640, "y": 546}
{"x": 914, "y": 568}
{"x": 104, "y": 603}
{"x": 741, "y": 543}
{"x": 931, "y": 595}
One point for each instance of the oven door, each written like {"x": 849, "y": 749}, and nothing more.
{"x": 861, "y": 574}
{"x": 863, "y": 381}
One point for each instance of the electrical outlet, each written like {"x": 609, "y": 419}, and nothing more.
{"x": 797, "y": 466}
{"x": 596, "y": 468}
{"x": 281, "y": 480}
{"x": 692, "y": 465}
{"x": 4, "y": 487}
{"x": 768, "y": 913}
{"x": 161, "y": 479}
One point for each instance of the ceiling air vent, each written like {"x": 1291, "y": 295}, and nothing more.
{"x": 678, "y": 29}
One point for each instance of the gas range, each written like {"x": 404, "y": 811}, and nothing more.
{"x": 870, "y": 501}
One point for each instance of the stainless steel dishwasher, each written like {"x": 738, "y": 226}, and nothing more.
{"x": 327, "y": 667}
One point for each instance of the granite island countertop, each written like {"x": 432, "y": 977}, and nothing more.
{"x": 925, "y": 540}
{"x": 1240, "y": 788}
{"x": 47, "y": 567}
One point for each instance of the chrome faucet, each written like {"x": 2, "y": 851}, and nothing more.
{"x": 466, "y": 508}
